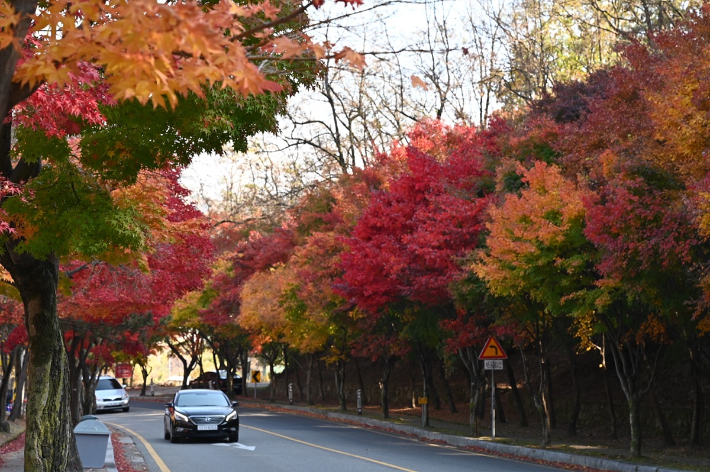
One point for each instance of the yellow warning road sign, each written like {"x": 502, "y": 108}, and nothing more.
{"x": 256, "y": 376}
{"x": 492, "y": 350}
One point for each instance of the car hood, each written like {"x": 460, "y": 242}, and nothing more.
{"x": 204, "y": 410}
{"x": 113, "y": 393}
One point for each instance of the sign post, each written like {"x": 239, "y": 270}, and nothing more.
{"x": 424, "y": 402}
{"x": 492, "y": 356}
{"x": 124, "y": 371}
{"x": 255, "y": 378}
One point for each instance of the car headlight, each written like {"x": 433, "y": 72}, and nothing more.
{"x": 125, "y": 396}
{"x": 231, "y": 416}
{"x": 181, "y": 417}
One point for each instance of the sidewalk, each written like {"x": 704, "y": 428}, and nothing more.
{"x": 14, "y": 461}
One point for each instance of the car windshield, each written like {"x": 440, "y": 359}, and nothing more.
{"x": 201, "y": 399}
{"x": 108, "y": 384}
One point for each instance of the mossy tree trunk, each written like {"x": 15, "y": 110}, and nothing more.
{"x": 50, "y": 445}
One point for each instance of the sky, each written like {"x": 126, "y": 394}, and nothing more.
{"x": 403, "y": 22}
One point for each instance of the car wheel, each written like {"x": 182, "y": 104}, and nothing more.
{"x": 173, "y": 439}
{"x": 126, "y": 409}
{"x": 166, "y": 433}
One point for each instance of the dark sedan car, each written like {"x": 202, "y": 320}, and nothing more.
{"x": 201, "y": 414}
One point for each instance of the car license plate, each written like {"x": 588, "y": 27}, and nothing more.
{"x": 206, "y": 427}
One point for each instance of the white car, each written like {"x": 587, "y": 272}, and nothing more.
{"x": 110, "y": 395}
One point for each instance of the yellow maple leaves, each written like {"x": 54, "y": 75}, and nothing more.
{"x": 540, "y": 215}
{"x": 156, "y": 51}
{"x": 8, "y": 19}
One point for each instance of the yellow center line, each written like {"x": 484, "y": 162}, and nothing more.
{"x": 328, "y": 449}
{"x": 151, "y": 451}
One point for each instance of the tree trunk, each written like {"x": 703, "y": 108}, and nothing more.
{"x": 481, "y": 405}
{"x": 8, "y": 362}
{"x": 144, "y": 374}
{"x": 309, "y": 372}
{"x": 427, "y": 378}
{"x": 299, "y": 385}
{"x": 360, "y": 382}
{"x": 426, "y": 382}
{"x": 627, "y": 361}
{"x": 635, "y": 426}
{"x": 50, "y": 445}
{"x": 320, "y": 382}
{"x": 696, "y": 426}
{"x": 186, "y": 367}
{"x": 433, "y": 393}
{"x": 287, "y": 369}
{"x": 412, "y": 386}
{"x": 425, "y": 406}
{"x": 90, "y": 379}
{"x": 470, "y": 361}
{"x": 523, "y": 421}
{"x": 539, "y": 396}
{"x": 473, "y": 420}
{"x": 447, "y": 388}
{"x": 389, "y": 363}
{"x": 661, "y": 418}
{"x": 75, "y": 406}
{"x": 20, "y": 366}
{"x": 74, "y": 379}
{"x": 614, "y": 434}
{"x": 500, "y": 411}
{"x": 546, "y": 419}
{"x": 272, "y": 381}
{"x": 550, "y": 397}
{"x": 576, "y": 391}
{"x": 340, "y": 383}
{"x": 244, "y": 361}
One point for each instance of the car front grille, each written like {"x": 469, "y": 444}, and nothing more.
{"x": 111, "y": 399}
{"x": 211, "y": 419}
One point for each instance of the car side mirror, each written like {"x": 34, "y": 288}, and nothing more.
{"x": 235, "y": 403}
{"x": 170, "y": 405}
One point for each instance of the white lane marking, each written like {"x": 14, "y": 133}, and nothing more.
{"x": 237, "y": 445}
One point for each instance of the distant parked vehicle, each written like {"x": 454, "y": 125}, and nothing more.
{"x": 110, "y": 395}
{"x": 217, "y": 381}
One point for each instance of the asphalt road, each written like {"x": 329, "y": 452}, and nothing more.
{"x": 277, "y": 442}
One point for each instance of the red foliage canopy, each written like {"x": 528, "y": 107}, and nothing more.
{"x": 407, "y": 242}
